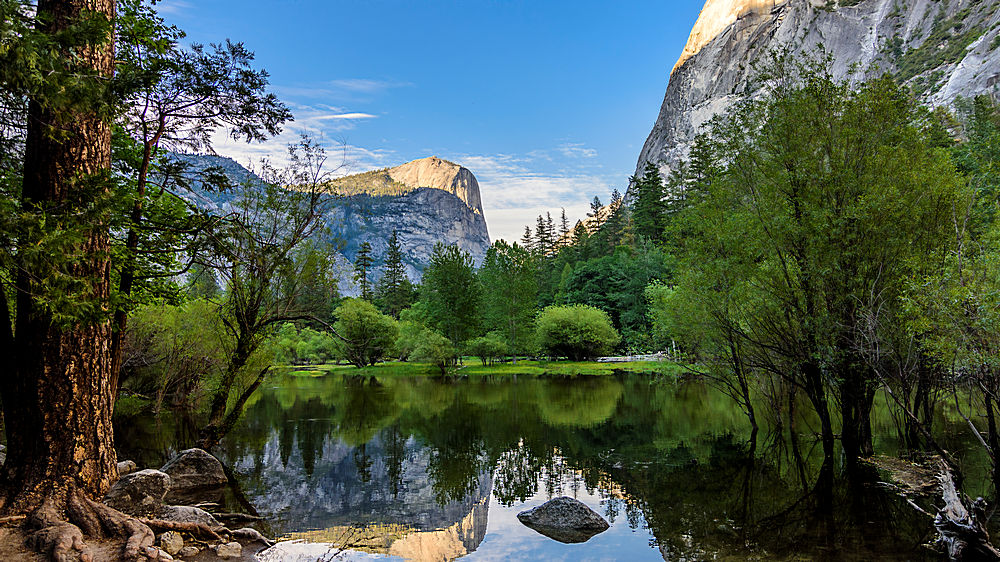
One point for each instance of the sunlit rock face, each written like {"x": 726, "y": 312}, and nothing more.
{"x": 425, "y": 201}
{"x": 942, "y": 49}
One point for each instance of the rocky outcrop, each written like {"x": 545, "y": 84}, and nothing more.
{"x": 564, "y": 519}
{"x": 425, "y": 201}
{"x": 942, "y": 49}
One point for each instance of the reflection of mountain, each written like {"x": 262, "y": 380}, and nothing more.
{"x": 356, "y": 486}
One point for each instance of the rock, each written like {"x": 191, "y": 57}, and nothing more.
{"x": 126, "y": 467}
{"x": 229, "y": 550}
{"x": 192, "y": 471}
{"x": 154, "y": 553}
{"x": 171, "y": 541}
{"x": 188, "y": 552}
{"x": 564, "y": 519}
{"x": 731, "y": 36}
{"x": 187, "y": 514}
{"x": 140, "y": 493}
{"x": 251, "y": 535}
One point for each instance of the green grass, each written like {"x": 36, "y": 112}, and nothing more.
{"x": 474, "y": 368}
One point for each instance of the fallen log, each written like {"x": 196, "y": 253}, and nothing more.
{"x": 961, "y": 524}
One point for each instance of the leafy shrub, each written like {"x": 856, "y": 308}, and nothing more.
{"x": 433, "y": 348}
{"x": 487, "y": 348}
{"x": 576, "y": 331}
{"x": 369, "y": 334}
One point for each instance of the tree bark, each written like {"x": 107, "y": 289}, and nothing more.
{"x": 58, "y": 395}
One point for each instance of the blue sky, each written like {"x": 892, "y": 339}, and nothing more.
{"x": 547, "y": 102}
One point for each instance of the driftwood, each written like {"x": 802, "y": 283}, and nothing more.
{"x": 961, "y": 527}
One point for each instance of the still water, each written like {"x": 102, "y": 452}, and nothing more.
{"x": 434, "y": 469}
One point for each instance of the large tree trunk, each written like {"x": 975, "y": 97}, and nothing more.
{"x": 58, "y": 396}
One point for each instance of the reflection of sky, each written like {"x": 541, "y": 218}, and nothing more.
{"x": 507, "y": 539}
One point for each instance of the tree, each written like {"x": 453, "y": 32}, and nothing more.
{"x": 563, "y": 224}
{"x": 452, "y": 293}
{"x": 649, "y": 210}
{"x": 58, "y": 391}
{"x": 595, "y": 207}
{"x": 362, "y": 267}
{"x": 578, "y": 331}
{"x": 394, "y": 292}
{"x": 510, "y": 293}
{"x": 832, "y": 197}
{"x": 367, "y": 335}
{"x": 254, "y": 253}
{"x": 431, "y": 347}
{"x": 181, "y": 97}
{"x": 488, "y": 348}
{"x": 526, "y": 240}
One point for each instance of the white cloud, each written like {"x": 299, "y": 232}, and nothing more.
{"x": 345, "y": 116}
{"x": 576, "y": 150}
{"x": 514, "y": 193}
{"x": 172, "y": 7}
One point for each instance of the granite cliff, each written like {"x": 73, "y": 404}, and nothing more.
{"x": 942, "y": 49}
{"x": 425, "y": 201}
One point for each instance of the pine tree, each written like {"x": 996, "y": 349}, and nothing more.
{"x": 563, "y": 223}
{"x": 542, "y": 242}
{"x": 526, "y": 240}
{"x": 550, "y": 231}
{"x": 394, "y": 291}
{"x": 595, "y": 207}
{"x": 649, "y": 207}
{"x": 362, "y": 266}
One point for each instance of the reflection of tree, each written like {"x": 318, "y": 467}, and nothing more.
{"x": 363, "y": 463}
{"x": 516, "y": 476}
{"x": 579, "y": 402}
{"x": 395, "y": 452}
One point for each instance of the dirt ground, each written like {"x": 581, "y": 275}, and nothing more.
{"x": 13, "y": 549}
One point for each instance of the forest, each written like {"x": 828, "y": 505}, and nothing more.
{"x": 824, "y": 245}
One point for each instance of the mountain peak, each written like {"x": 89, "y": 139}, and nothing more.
{"x": 441, "y": 174}
{"x": 716, "y": 16}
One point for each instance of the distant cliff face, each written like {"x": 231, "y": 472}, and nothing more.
{"x": 425, "y": 201}
{"x": 943, "y": 49}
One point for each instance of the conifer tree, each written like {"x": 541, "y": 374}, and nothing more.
{"x": 526, "y": 239}
{"x": 595, "y": 207}
{"x": 649, "y": 207}
{"x": 394, "y": 291}
{"x": 563, "y": 223}
{"x": 362, "y": 266}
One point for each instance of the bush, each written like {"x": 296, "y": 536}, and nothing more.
{"x": 409, "y": 337}
{"x": 435, "y": 349}
{"x": 577, "y": 331}
{"x": 369, "y": 334}
{"x": 487, "y": 348}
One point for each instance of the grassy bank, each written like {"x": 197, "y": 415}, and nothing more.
{"x": 473, "y": 367}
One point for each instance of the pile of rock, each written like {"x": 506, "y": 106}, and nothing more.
{"x": 184, "y": 531}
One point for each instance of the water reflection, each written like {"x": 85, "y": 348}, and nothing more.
{"x": 429, "y": 469}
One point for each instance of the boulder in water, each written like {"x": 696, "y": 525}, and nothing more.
{"x": 564, "y": 519}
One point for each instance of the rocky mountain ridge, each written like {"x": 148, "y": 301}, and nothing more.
{"x": 425, "y": 201}
{"x": 942, "y": 49}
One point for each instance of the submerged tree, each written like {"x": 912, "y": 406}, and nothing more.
{"x": 830, "y": 198}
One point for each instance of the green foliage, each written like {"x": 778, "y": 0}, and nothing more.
{"x": 487, "y": 348}
{"x": 649, "y": 210}
{"x": 451, "y": 293}
{"x": 431, "y": 347}
{"x": 362, "y": 270}
{"x": 575, "y": 331}
{"x": 394, "y": 291}
{"x": 367, "y": 334}
{"x": 510, "y": 293}
{"x": 305, "y": 346}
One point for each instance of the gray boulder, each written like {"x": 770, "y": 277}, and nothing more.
{"x": 189, "y": 552}
{"x": 192, "y": 473}
{"x": 564, "y": 519}
{"x": 139, "y": 493}
{"x": 187, "y": 514}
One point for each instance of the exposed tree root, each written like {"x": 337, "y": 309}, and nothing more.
{"x": 199, "y": 530}
{"x": 57, "y": 529}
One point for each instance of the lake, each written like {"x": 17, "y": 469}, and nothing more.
{"x": 426, "y": 468}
